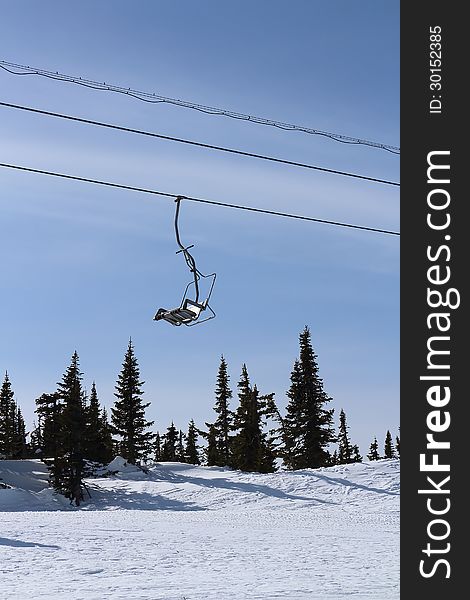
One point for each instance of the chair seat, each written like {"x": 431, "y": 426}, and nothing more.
{"x": 184, "y": 314}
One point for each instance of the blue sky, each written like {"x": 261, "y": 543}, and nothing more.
{"x": 85, "y": 267}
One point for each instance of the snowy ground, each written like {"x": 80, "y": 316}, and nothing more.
{"x": 200, "y": 533}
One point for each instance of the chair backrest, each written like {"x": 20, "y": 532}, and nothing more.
{"x": 193, "y": 307}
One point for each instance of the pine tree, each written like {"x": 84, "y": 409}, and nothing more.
{"x": 388, "y": 446}
{"x": 128, "y": 414}
{"x": 61, "y": 431}
{"x": 247, "y": 442}
{"x": 252, "y": 449}
{"x": 20, "y": 447}
{"x": 180, "y": 456}
{"x": 270, "y": 447}
{"x": 212, "y": 450}
{"x": 267, "y": 463}
{"x": 397, "y": 444}
{"x": 36, "y": 440}
{"x": 224, "y": 422}
{"x": 347, "y": 452}
{"x": 374, "y": 450}
{"x": 344, "y": 444}
{"x": 49, "y": 409}
{"x": 277, "y": 438}
{"x": 68, "y": 468}
{"x": 106, "y": 446}
{"x": 7, "y": 419}
{"x": 157, "y": 448}
{"x": 308, "y": 424}
{"x": 170, "y": 440}
{"x": 191, "y": 450}
{"x": 333, "y": 459}
{"x": 93, "y": 441}
{"x": 292, "y": 430}
{"x": 356, "y": 455}
{"x": 12, "y": 427}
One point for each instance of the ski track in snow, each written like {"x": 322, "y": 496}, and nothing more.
{"x": 203, "y": 533}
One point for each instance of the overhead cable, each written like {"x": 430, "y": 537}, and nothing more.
{"x": 193, "y": 199}
{"x": 158, "y": 99}
{"x": 193, "y": 143}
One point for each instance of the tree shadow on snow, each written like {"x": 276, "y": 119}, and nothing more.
{"x": 350, "y": 484}
{"x": 21, "y": 544}
{"x": 253, "y": 488}
{"x": 131, "y": 499}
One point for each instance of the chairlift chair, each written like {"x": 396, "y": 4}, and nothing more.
{"x": 189, "y": 311}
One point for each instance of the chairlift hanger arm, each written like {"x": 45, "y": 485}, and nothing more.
{"x": 185, "y": 250}
{"x": 189, "y": 311}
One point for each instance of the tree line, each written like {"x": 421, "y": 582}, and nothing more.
{"x": 74, "y": 433}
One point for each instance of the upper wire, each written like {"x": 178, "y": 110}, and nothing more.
{"x": 154, "y": 98}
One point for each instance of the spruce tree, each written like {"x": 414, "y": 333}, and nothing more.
{"x": 252, "y": 449}
{"x": 128, "y": 414}
{"x": 292, "y": 430}
{"x": 68, "y": 468}
{"x": 247, "y": 442}
{"x": 7, "y": 419}
{"x": 106, "y": 446}
{"x": 356, "y": 455}
{"x": 347, "y": 452}
{"x": 397, "y": 445}
{"x": 191, "y": 449}
{"x": 12, "y": 427}
{"x": 157, "y": 448}
{"x": 49, "y": 409}
{"x": 93, "y": 439}
{"x": 374, "y": 450}
{"x": 180, "y": 456}
{"x": 344, "y": 444}
{"x": 224, "y": 422}
{"x": 308, "y": 422}
{"x": 170, "y": 441}
{"x": 212, "y": 450}
{"x": 20, "y": 447}
{"x": 270, "y": 447}
{"x": 36, "y": 440}
{"x": 388, "y": 446}
{"x": 277, "y": 438}
{"x": 267, "y": 463}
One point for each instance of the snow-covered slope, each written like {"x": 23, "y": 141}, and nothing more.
{"x": 373, "y": 485}
{"x": 184, "y": 532}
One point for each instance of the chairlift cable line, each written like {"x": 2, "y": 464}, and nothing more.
{"x": 194, "y": 143}
{"x": 200, "y": 200}
{"x": 156, "y": 99}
